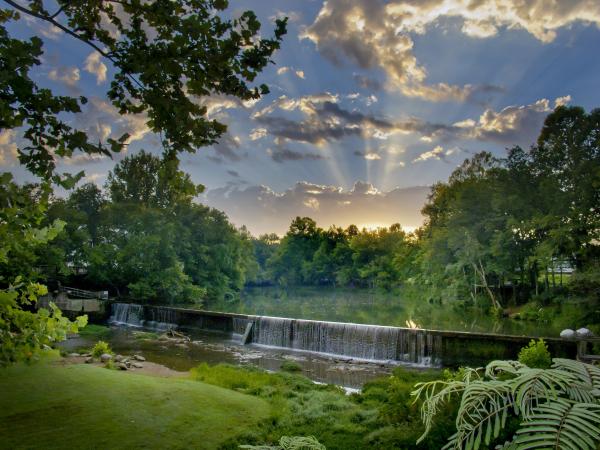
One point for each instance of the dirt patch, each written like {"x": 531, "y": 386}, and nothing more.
{"x": 148, "y": 368}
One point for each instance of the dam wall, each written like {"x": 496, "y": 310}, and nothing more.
{"x": 429, "y": 348}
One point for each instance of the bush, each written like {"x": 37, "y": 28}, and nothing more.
{"x": 536, "y": 355}
{"x": 290, "y": 366}
{"x": 100, "y": 348}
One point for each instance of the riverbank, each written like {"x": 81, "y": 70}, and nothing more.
{"x": 53, "y": 405}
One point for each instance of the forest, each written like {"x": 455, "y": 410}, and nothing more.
{"x": 499, "y": 232}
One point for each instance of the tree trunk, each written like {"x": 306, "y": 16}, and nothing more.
{"x": 481, "y": 272}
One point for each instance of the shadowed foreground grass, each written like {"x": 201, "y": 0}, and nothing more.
{"x": 50, "y": 406}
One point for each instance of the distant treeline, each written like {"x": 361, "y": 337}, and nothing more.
{"x": 498, "y": 229}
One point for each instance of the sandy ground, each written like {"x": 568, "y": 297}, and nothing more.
{"x": 149, "y": 368}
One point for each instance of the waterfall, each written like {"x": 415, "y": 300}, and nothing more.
{"x": 127, "y": 314}
{"x": 369, "y": 342}
{"x": 159, "y": 318}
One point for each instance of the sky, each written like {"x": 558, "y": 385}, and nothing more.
{"x": 371, "y": 103}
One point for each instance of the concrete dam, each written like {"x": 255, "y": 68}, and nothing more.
{"x": 427, "y": 348}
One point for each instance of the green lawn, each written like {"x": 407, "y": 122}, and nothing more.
{"x": 48, "y": 406}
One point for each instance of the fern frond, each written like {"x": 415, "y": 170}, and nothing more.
{"x": 561, "y": 424}
{"x": 534, "y": 386}
{"x": 434, "y": 399}
{"x": 588, "y": 376}
{"x": 482, "y": 414}
{"x": 497, "y": 368}
{"x": 300, "y": 443}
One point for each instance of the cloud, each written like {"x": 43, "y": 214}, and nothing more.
{"x": 84, "y": 159}
{"x": 263, "y": 210}
{"x": 325, "y": 120}
{"x": 66, "y": 75}
{"x": 46, "y": 29}
{"x": 517, "y": 124}
{"x": 436, "y": 153}
{"x": 102, "y": 120}
{"x": 377, "y": 34}
{"x": 367, "y": 83}
{"x": 257, "y": 133}
{"x": 369, "y": 155}
{"x": 280, "y": 153}
{"x": 8, "y": 148}
{"x": 95, "y": 66}
{"x": 233, "y": 173}
{"x": 227, "y": 149}
{"x": 285, "y": 69}
{"x": 293, "y": 16}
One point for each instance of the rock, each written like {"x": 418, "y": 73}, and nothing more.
{"x": 105, "y": 357}
{"x": 73, "y": 355}
{"x": 181, "y": 345}
{"x": 89, "y": 360}
{"x": 137, "y": 365}
{"x": 119, "y": 358}
{"x": 567, "y": 334}
{"x": 584, "y": 332}
{"x": 139, "y": 358}
{"x": 122, "y": 366}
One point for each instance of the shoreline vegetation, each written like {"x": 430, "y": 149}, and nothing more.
{"x": 509, "y": 236}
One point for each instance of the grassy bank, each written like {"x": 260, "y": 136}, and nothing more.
{"x": 48, "y": 405}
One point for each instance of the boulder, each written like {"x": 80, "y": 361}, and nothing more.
{"x": 105, "y": 357}
{"x": 122, "y": 366}
{"x": 139, "y": 358}
{"x": 73, "y": 355}
{"x": 119, "y": 358}
{"x": 584, "y": 333}
{"x": 137, "y": 365}
{"x": 89, "y": 360}
{"x": 567, "y": 334}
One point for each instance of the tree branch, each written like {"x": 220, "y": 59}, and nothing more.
{"x": 50, "y": 19}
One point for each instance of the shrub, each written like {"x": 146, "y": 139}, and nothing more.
{"x": 291, "y": 366}
{"x": 536, "y": 355}
{"x": 100, "y": 348}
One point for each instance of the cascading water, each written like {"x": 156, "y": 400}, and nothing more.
{"x": 127, "y": 314}
{"x": 368, "y": 342}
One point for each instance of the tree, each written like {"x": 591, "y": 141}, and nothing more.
{"x": 165, "y": 55}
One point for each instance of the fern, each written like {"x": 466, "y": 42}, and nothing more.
{"x": 561, "y": 424}
{"x": 290, "y": 443}
{"x": 560, "y": 406}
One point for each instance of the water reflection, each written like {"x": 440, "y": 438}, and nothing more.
{"x": 372, "y": 307}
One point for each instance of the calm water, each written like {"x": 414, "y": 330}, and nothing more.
{"x": 373, "y": 307}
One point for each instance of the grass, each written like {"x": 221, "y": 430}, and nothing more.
{"x": 95, "y": 331}
{"x": 51, "y": 406}
{"x": 383, "y": 416}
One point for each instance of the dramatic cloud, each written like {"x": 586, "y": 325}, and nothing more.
{"x": 66, "y": 75}
{"x": 325, "y": 120}
{"x": 511, "y": 125}
{"x": 264, "y": 211}
{"x": 377, "y": 33}
{"x": 96, "y": 67}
